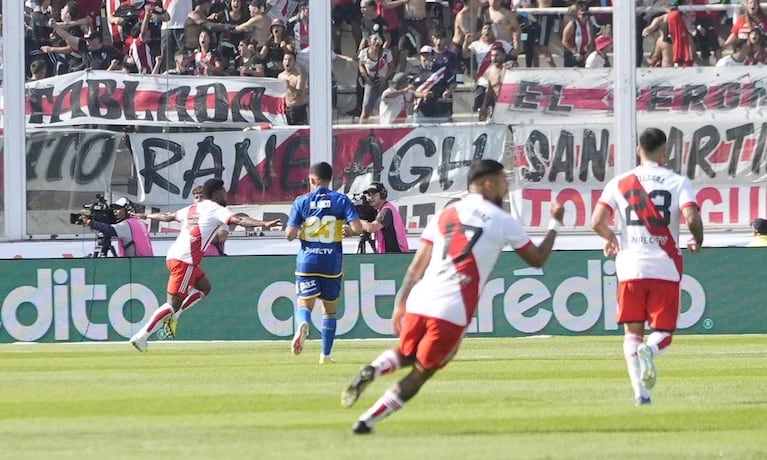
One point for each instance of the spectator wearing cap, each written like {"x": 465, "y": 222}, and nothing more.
{"x": 376, "y": 66}
{"x": 131, "y": 235}
{"x": 759, "y": 228}
{"x": 434, "y": 88}
{"x": 753, "y": 16}
{"x": 738, "y": 57}
{"x": 755, "y": 52}
{"x": 96, "y": 55}
{"x": 172, "y": 30}
{"x": 598, "y": 58}
{"x": 395, "y": 100}
{"x": 274, "y": 49}
{"x": 388, "y": 228}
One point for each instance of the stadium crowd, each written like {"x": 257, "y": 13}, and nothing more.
{"x": 411, "y": 55}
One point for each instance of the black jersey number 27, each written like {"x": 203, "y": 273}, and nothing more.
{"x": 457, "y": 244}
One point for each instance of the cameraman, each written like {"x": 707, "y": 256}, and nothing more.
{"x": 132, "y": 234}
{"x": 390, "y": 233}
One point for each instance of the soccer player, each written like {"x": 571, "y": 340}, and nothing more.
{"x": 187, "y": 283}
{"x": 647, "y": 203}
{"x": 443, "y": 284}
{"x": 317, "y": 219}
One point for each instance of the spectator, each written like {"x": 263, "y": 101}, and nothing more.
{"x": 443, "y": 57}
{"x": 395, "y": 100}
{"x": 738, "y": 57}
{"x": 537, "y": 31}
{"x": 577, "y": 37}
{"x": 302, "y": 57}
{"x": 181, "y": 64}
{"x": 296, "y": 92}
{"x": 753, "y": 16}
{"x": 38, "y": 70}
{"x": 172, "y": 30}
{"x": 759, "y": 227}
{"x": 598, "y": 58}
{"x": 755, "y": 53}
{"x": 706, "y": 33}
{"x": 197, "y": 21}
{"x": 681, "y": 39}
{"x": 389, "y": 10}
{"x": 434, "y": 89}
{"x": 235, "y": 16}
{"x": 494, "y": 78}
{"x": 375, "y": 69}
{"x": 505, "y": 25}
{"x": 38, "y": 34}
{"x": 273, "y": 51}
{"x": 469, "y": 22}
{"x": 138, "y": 43}
{"x": 248, "y": 63}
{"x": 662, "y": 53}
{"x": 298, "y": 27}
{"x": 207, "y": 59}
{"x": 479, "y": 50}
{"x": 95, "y": 54}
{"x": 373, "y": 24}
{"x": 413, "y": 26}
{"x": 259, "y": 23}
{"x": 346, "y": 11}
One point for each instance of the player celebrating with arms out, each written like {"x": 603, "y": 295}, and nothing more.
{"x": 187, "y": 283}
{"x": 442, "y": 286}
{"x": 647, "y": 202}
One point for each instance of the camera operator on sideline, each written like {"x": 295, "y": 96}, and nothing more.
{"x": 132, "y": 235}
{"x": 389, "y": 230}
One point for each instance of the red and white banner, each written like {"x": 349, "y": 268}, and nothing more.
{"x": 116, "y": 98}
{"x": 423, "y": 168}
{"x": 581, "y": 96}
{"x": 726, "y": 161}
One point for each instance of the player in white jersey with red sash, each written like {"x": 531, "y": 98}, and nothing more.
{"x": 187, "y": 283}
{"x": 647, "y": 203}
{"x": 442, "y": 286}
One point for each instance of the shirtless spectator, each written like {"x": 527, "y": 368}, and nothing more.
{"x": 296, "y": 93}
{"x": 197, "y": 21}
{"x": 468, "y": 21}
{"x": 259, "y": 23}
{"x": 494, "y": 77}
{"x": 479, "y": 52}
{"x": 505, "y": 23}
{"x": 414, "y": 24}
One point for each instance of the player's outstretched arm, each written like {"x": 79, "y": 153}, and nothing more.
{"x": 159, "y": 216}
{"x": 247, "y": 221}
{"x": 537, "y": 255}
{"x": 695, "y": 224}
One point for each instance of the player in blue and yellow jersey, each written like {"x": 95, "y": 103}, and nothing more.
{"x": 317, "y": 219}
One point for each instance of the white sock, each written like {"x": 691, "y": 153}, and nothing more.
{"x": 155, "y": 321}
{"x": 630, "y": 344}
{"x": 189, "y": 301}
{"x": 659, "y": 341}
{"x": 386, "y": 405}
{"x": 386, "y": 363}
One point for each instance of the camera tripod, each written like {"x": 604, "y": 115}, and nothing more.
{"x": 365, "y": 238}
{"x": 103, "y": 246}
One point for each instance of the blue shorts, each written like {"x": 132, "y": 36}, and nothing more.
{"x": 309, "y": 287}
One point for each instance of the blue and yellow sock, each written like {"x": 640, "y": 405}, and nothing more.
{"x": 328, "y": 332}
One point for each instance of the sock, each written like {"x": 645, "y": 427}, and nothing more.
{"x": 303, "y": 315}
{"x": 659, "y": 341}
{"x": 386, "y": 405}
{"x": 156, "y": 320}
{"x": 386, "y": 363}
{"x": 190, "y": 300}
{"x": 328, "y": 332}
{"x": 630, "y": 344}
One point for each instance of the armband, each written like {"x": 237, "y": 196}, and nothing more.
{"x": 554, "y": 225}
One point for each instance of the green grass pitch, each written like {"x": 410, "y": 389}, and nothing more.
{"x": 559, "y": 397}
